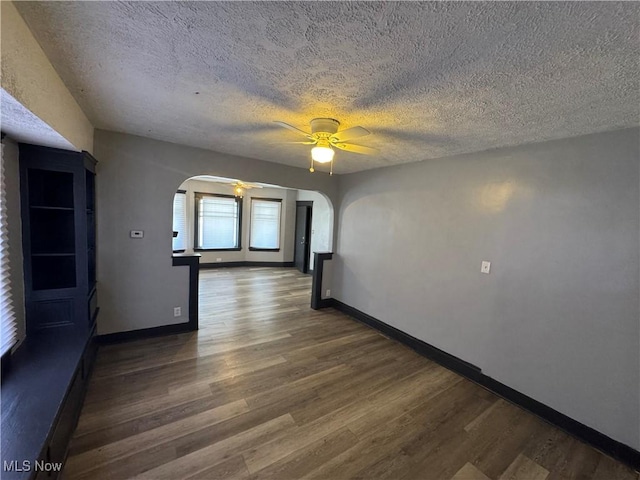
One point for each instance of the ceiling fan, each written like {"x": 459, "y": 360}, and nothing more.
{"x": 325, "y": 136}
{"x": 239, "y": 187}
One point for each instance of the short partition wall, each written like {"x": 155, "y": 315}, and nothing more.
{"x": 317, "y": 301}
{"x": 178, "y": 260}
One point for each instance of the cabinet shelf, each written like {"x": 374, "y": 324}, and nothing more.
{"x": 45, "y": 207}
{"x": 50, "y": 188}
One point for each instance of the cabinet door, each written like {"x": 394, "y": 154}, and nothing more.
{"x": 67, "y": 421}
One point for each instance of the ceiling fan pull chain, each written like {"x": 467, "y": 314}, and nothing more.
{"x": 312, "y": 169}
{"x": 331, "y": 168}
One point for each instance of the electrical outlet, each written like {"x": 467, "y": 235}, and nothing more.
{"x": 177, "y": 311}
{"x": 328, "y": 293}
{"x": 485, "y": 267}
{"x": 136, "y": 234}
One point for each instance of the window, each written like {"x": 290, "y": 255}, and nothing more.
{"x": 265, "y": 224}
{"x": 218, "y": 219}
{"x": 180, "y": 221}
{"x": 7, "y": 317}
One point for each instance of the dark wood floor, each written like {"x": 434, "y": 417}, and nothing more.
{"x": 269, "y": 388}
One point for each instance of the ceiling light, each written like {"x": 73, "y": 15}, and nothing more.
{"x": 322, "y": 152}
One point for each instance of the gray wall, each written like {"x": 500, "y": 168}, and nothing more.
{"x": 558, "y": 316}
{"x": 136, "y": 180}
{"x": 14, "y": 225}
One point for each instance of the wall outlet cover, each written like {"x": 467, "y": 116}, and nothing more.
{"x": 485, "y": 267}
{"x": 177, "y": 311}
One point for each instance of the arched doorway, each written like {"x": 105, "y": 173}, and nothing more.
{"x": 233, "y": 224}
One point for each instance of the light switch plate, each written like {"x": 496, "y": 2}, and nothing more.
{"x": 136, "y": 234}
{"x": 485, "y": 267}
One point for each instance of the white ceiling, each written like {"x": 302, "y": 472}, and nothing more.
{"x": 428, "y": 79}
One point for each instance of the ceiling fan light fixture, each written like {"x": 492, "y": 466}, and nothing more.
{"x": 322, "y": 153}
{"x": 325, "y": 136}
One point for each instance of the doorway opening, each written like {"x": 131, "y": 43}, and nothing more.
{"x": 252, "y": 239}
{"x": 302, "y": 247}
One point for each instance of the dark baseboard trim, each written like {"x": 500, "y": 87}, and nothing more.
{"x": 587, "y": 434}
{"x": 324, "y": 303}
{"x": 245, "y": 264}
{"x": 131, "y": 335}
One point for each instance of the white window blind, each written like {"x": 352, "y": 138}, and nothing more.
{"x": 265, "y": 224}
{"x": 218, "y": 222}
{"x": 180, "y": 221}
{"x": 8, "y": 320}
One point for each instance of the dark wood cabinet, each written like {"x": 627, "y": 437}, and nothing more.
{"x": 57, "y": 189}
{"x": 43, "y": 391}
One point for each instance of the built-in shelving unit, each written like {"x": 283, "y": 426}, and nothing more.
{"x": 58, "y": 202}
{"x": 42, "y": 392}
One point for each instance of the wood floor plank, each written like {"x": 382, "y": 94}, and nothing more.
{"x": 303, "y": 460}
{"x": 114, "y": 413}
{"x": 270, "y": 389}
{"x": 200, "y": 460}
{"x": 470, "y": 472}
{"x": 112, "y": 452}
{"x": 524, "y": 468}
{"x": 383, "y": 451}
{"x": 232, "y": 469}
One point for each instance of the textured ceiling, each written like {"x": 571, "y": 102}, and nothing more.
{"x": 428, "y": 79}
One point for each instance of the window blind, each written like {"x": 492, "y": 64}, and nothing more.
{"x": 7, "y": 316}
{"x": 218, "y": 222}
{"x": 180, "y": 221}
{"x": 265, "y": 224}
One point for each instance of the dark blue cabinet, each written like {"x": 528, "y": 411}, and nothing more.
{"x": 58, "y": 221}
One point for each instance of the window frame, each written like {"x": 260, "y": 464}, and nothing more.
{"x": 186, "y": 225}
{"x": 258, "y": 249}
{"x": 196, "y": 202}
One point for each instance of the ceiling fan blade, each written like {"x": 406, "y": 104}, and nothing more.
{"x": 356, "y": 148}
{"x": 295, "y": 143}
{"x": 350, "y": 134}
{"x": 246, "y": 186}
{"x": 293, "y": 129}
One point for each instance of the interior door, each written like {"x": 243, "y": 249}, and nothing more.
{"x": 303, "y": 236}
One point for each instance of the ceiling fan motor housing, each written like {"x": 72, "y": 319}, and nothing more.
{"x": 327, "y": 126}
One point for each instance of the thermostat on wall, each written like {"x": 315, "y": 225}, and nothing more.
{"x": 136, "y": 234}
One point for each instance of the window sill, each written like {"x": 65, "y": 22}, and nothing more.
{"x": 255, "y": 249}
{"x": 237, "y": 249}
